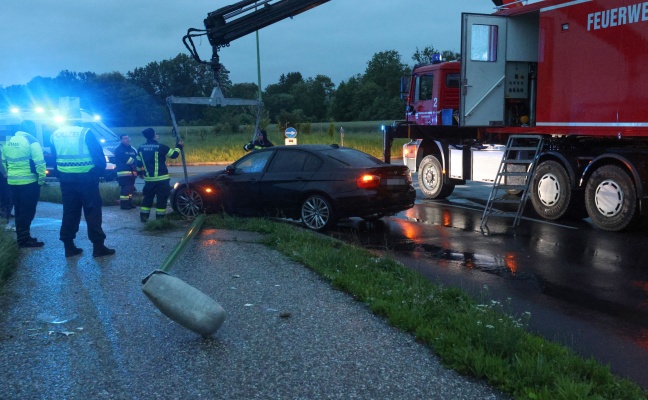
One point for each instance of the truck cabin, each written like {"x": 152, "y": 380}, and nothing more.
{"x": 433, "y": 94}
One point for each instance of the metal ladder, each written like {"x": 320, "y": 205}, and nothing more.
{"x": 514, "y": 173}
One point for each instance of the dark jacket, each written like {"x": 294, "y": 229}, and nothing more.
{"x": 125, "y": 160}
{"x": 151, "y": 160}
{"x": 259, "y": 142}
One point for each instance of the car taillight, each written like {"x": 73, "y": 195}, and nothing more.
{"x": 368, "y": 181}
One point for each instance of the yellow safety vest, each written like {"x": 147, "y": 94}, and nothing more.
{"x": 72, "y": 153}
{"x": 23, "y": 158}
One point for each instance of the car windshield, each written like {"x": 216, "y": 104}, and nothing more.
{"x": 351, "y": 157}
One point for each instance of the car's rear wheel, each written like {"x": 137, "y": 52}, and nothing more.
{"x": 188, "y": 202}
{"x": 317, "y": 213}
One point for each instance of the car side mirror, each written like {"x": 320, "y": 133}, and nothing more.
{"x": 229, "y": 170}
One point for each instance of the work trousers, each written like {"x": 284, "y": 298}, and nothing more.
{"x": 77, "y": 197}
{"x": 160, "y": 190}
{"x": 126, "y": 189}
{"x": 25, "y": 199}
{"x": 6, "y": 202}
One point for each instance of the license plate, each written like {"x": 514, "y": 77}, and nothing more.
{"x": 395, "y": 181}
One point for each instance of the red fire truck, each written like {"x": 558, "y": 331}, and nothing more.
{"x": 572, "y": 71}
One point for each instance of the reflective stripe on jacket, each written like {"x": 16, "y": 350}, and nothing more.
{"x": 72, "y": 153}
{"x": 23, "y": 158}
{"x": 151, "y": 159}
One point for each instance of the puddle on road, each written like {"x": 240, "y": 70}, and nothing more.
{"x": 53, "y": 319}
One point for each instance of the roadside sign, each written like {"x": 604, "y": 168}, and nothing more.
{"x": 291, "y": 136}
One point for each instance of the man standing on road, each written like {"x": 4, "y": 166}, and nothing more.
{"x": 23, "y": 159}
{"x": 81, "y": 163}
{"x": 151, "y": 162}
{"x": 125, "y": 156}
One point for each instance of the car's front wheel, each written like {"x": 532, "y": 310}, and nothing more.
{"x": 188, "y": 202}
{"x": 317, "y": 213}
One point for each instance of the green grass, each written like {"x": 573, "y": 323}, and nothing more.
{"x": 109, "y": 193}
{"x": 202, "y": 144}
{"x": 476, "y": 337}
{"x": 8, "y": 252}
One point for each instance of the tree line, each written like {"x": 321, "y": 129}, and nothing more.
{"x": 138, "y": 98}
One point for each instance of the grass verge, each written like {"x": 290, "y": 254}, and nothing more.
{"x": 8, "y": 252}
{"x": 475, "y": 337}
{"x": 202, "y": 144}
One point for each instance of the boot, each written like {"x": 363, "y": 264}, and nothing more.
{"x": 31, "y": 242}
{"x": 71, "y": 250}
{"x": 100, "y": 250}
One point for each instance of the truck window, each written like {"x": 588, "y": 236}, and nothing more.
{"x": 484, "y": 43}
{"x": 424, "y": 87}
{"x": 452, "y": 80}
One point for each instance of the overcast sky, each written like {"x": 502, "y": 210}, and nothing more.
{"x": 336, "y": 39}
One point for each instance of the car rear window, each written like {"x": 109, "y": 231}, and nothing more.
{"x": 351, "y": 157}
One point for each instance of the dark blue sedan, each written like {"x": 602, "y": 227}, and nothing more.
{"x": 317, "y": 184}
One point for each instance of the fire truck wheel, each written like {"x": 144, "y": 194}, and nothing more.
{"x": 430, "y": 178}
{"x": 550, "y": 190}
{"x": 611, "y": 199}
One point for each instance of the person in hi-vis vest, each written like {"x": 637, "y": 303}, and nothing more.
{"x": 24, "y": 162}
{"x": 80, "y": 164}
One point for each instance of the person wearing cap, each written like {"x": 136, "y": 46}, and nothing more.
{"x": 125, "y": 156}
{"x": 151, "y": 164}
{"x": 24, "y": 162}
{"x": 260, "y": 141}
{"x": 80, "y": 164}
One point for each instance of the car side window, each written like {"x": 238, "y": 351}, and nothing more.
{"x": 288, "y": 161}
{"x": 312, "y": 163}
{"x": 254, "y": 163}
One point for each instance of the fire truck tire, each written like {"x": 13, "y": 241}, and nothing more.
{"x": 611, "y": 199}
{"x": 550, "y": 190}
{"x": 430, "y": 179}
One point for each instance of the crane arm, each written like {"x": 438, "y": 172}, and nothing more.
{"x": 237, "y": 20}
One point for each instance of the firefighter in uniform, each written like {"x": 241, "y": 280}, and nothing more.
{"x": 260, "y": 141}
{"x": 125, "y": 155}
{"x": 80, "y": 163}
{"x": 151, "y": 164}
{"x": 23, "y": 159}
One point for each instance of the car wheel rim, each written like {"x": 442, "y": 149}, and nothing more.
{"x": 548, "y": 190}
{"x": 609, "y": 198}
{"x": 189, "y": 203}
{"x": 315, "y": 213}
